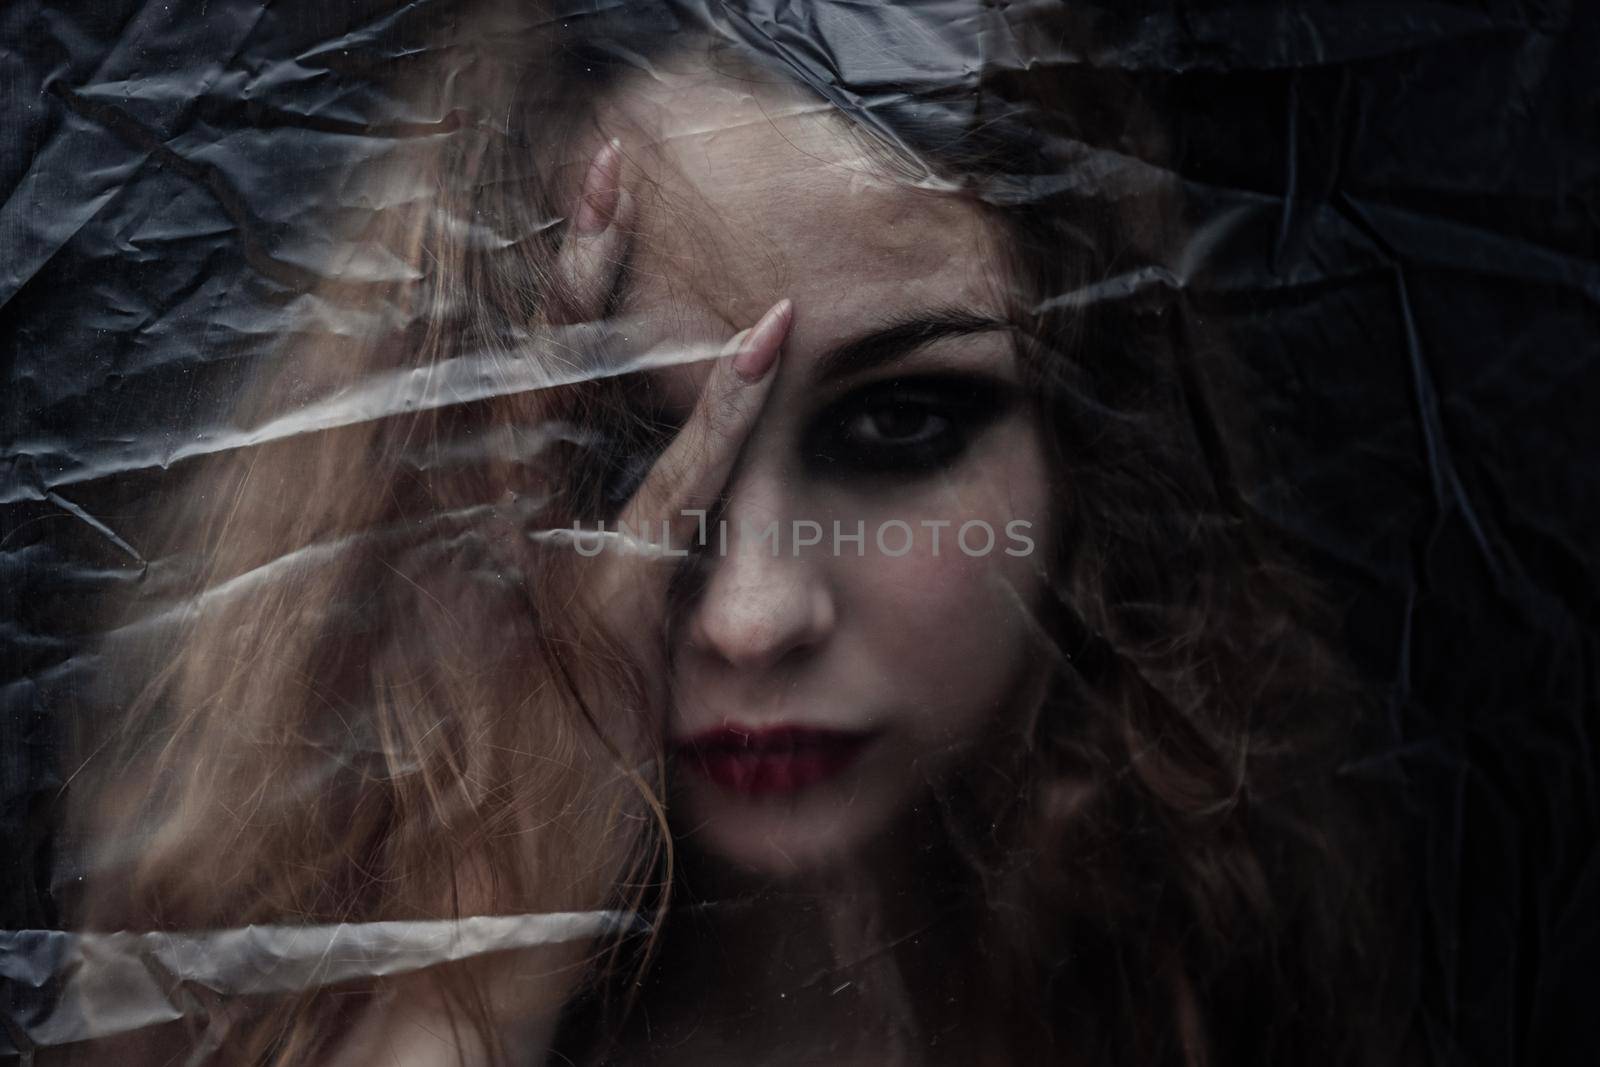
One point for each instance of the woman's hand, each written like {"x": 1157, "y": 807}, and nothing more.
{"x": 628, "y": 567}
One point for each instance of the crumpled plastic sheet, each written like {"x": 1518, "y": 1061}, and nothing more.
{"x": 1395, "y": 207}
{"x": 122, "y": 982}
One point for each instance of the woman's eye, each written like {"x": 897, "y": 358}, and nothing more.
{"x": 623, "y": 475}
{"x": 904, "y": 426}
{"x": 898, "y": 426}
{"x": 623, "y": 458}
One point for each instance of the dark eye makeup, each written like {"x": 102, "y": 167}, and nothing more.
{"x": 630, "y": 443}
{"x": 905, "y": 426}
{"x": 623, "y": 470}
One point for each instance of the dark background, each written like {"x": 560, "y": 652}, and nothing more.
{"x": 1402, "y": 201}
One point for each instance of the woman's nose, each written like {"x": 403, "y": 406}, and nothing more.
{"x": 761, "y": 603}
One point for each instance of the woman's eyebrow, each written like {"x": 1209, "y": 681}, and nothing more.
{"x": 900, "y": 336}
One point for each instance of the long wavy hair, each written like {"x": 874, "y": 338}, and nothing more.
{"x": 355, "y": 633}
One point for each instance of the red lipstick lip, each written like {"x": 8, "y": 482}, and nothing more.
{"x": 772, "y": 760}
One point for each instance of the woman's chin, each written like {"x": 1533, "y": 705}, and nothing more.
{"x": 780, "y": 835}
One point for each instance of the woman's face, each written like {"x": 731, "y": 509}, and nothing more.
{"x": 823, "y": 687}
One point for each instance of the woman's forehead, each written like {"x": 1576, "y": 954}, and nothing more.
{"x": 750, "y": 200}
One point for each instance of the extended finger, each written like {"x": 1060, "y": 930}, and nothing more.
{"x": 692, "y": 471}
{"x": 596, "y": 242}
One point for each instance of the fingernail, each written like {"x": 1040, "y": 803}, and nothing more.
{"x": 735, "y": 344}
{"x": 602, "y": 190}
{"x": 759, "y": 351}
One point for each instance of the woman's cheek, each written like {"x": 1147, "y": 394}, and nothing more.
{"x": 971, "y": 561}
{"x": 954, "y": 623}
{"x": 945, "y": 627}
